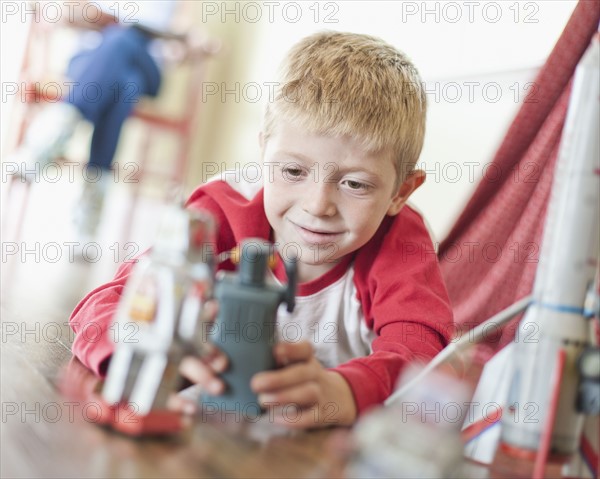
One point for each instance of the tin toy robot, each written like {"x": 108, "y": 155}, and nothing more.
{"x": 158, "y": 321}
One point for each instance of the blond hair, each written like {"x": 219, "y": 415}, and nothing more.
{"x": 342, "y": 84}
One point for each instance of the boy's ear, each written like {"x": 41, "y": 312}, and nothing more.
{"x": 414, "y": 179}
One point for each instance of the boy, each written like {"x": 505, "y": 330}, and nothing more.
{"x": 339, "y": 144}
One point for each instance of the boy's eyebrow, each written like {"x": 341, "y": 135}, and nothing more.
{"x": 298, "y": 156}
{"x": 306, "y": 160}
{"x": 354, "y": 169}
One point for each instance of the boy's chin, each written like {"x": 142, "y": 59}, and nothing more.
{"x": 320, "y": 254}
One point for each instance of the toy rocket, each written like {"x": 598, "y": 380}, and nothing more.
{"x": 554, "y": 365}
{"x": 159, "y": 320}
{"x": 555, "y": 334}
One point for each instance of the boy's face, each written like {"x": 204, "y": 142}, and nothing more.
{"x": 325, "y": 197}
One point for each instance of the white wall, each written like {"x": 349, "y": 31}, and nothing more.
{"x": 13, "y": 35}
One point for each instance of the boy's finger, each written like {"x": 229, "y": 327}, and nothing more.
{"x": 288, "y": 353}
{"x": 269, "y": 381}
{"x": 212, "y": 356}
{"x": 303, "y": 395}
{"x": 217, "y": 361}
{"x": 297, "y": 417}
{"x": 213, "y": 307}
{"x": 198, "y": 372}
{"x": 177, "y": 403}
{"x": 210, "y": 310}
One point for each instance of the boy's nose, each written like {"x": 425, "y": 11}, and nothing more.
{"x": 320, "y": 200}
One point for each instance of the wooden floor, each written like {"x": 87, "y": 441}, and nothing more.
{"x": 46, "y": 429}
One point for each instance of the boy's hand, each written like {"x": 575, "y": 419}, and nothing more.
{"x": 204, "y": 371}
{"x": 303, "y": 394}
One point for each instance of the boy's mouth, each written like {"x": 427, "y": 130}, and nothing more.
{"x": 317, "y": 235}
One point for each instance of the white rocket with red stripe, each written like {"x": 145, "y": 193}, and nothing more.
{"x": 558, "y": 320}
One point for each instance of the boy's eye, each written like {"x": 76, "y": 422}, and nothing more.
{"x": 356, "y": 185}
{"x": 293, "y": 171}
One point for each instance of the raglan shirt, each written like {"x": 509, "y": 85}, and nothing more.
{"x": 378, "y": 309}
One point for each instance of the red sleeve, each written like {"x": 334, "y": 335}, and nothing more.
{"x": 238, "y": 217}
{"x": 202, "y": 199}
{"x": 404, "y": 300}
{"x": 92, "y": 318}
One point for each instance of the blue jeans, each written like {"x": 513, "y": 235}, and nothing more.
{"x": 109, "y": 80}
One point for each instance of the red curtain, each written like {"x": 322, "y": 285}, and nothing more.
{"x": 490, "y": 256}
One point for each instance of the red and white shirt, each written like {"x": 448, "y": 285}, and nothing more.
{"x": 378, "y": 309}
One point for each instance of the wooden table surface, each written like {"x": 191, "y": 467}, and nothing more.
{"x": 46, "y": 428}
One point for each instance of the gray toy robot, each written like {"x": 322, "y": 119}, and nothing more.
{"x": 245, "y": 326}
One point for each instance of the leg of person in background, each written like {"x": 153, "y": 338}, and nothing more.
{"x": 123, "y": 70}
{"x": 45, "y": 139}
{"x": 99, "y": 175}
